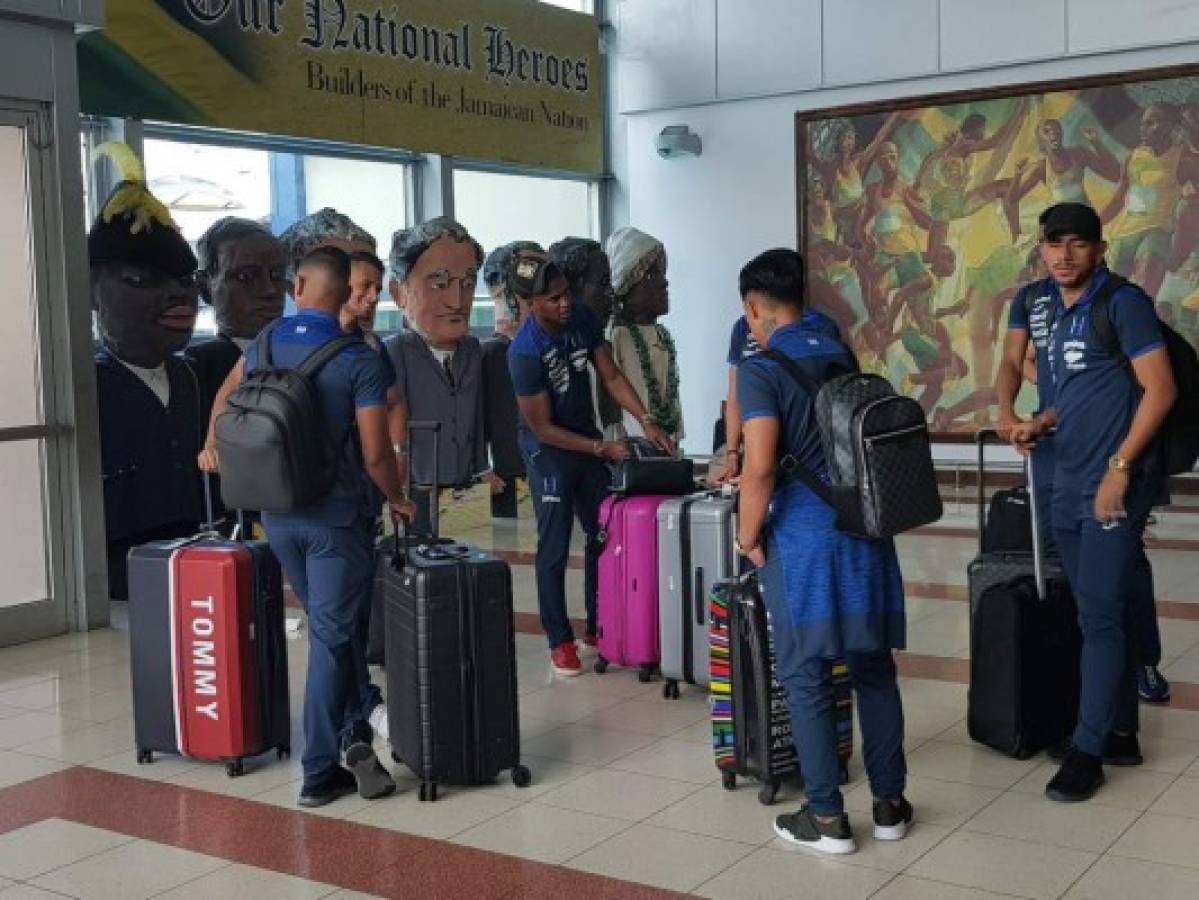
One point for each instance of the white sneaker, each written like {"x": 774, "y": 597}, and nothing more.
{"x": 378, "y": 722}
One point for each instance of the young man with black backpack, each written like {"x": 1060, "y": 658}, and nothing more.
{"x": 1113, "y": 389}
{"x": 284, "y": 428}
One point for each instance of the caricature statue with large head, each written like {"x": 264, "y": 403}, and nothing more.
{"x": 434, "y": 268}
{"x": 243, "y": 276}
{"x": 588, "y": 274}
{"x": 144, "y": 293}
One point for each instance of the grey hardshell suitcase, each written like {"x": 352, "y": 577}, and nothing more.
{"x": 695, "y": 550}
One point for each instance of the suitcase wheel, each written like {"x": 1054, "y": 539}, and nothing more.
{"x": 234, "y": 768}
{"x": 670, "y": 690}
{"x": 601, "y": 665}
{"x": 767, "y": 793}
{"x": 646, "y": 674}
{"x": 144, "y": 756}
{"x": 283, "y": 751}
{"x": 522, "y": 777}
{"x": 428, "y": 791}
{"x": 728, "y": 780}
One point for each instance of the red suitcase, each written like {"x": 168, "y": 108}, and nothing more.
{"x": 208, "y": 650}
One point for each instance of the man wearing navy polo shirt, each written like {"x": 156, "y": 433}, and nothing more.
{"x": 563, "y": 450}
{"x": 1108, "y": 406}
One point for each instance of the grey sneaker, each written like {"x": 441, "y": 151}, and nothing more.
{"x": 374, "y": 781}
{"x": 803, "y": 829}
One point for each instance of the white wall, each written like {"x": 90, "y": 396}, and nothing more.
{"x": 737, "y": 199}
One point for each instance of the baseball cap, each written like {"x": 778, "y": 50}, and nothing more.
{"x": 1071, "y": 218}
{"x": 532, "y": 274}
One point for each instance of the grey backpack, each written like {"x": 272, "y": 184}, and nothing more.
{"x": 881, "y": 480}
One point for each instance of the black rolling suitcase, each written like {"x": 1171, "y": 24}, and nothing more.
{"x": 751, "y": 724}
{"x": 451, "y": 661}
{"x": 1025, "y": 643}
{"x": 1009, "y": 523}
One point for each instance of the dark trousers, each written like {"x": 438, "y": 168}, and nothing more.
{"x": 565, "y": 486}
{"x": 503, "y": 504}
{"x": 1101, "y": 563}
{"x": 813, "y": 707}
{"x": 331, "y": 569}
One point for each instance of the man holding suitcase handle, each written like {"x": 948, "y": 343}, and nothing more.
{"x": 1108, "y": 474}
{"x": 325, "y": 548}
{"x": 564, "y": 452}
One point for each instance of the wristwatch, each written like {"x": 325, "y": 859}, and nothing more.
{"x": 1119, "y": 463}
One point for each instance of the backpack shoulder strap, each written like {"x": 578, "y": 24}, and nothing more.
{"x": 262, "y": 346}
{"x": 1102, "y": 325}
{"x": 789, "y": 464}
{"x": 325, "y": 353}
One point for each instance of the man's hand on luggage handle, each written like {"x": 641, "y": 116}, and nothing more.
{"x": 208, "y": 461}
{"x": 405, "y": 510}
{"x": 660, "y": 438}
{"x": 494, "y": 482}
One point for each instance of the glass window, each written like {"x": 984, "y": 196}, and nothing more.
{"x": 374, "y": 193}
{"x": 584, "y": 6}
{"x": 500, "y": 208}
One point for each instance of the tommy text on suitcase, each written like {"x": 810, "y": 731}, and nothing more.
{"x": 207, "y": 649}
{"x": 751, "y": 725}
{"x": 1025, "y": 643}
{"x": 451, "y": 651}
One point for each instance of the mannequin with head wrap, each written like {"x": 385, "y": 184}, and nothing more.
{"x": 143, "y": 292}
{"x": 438, "y": 363}
{"x": 643, "y": 349}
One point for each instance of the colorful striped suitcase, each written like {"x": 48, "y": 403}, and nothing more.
{"x": 751, "y": 725}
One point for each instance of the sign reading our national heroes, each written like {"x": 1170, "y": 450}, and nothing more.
{"x": 507, "y": 80}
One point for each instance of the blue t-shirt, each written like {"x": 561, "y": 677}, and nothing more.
{"x": 556, "y": 364}
{"x": 1044, "y": 308}
{"x": 766, "y": 390}
{"x": 354, "y": 379}
{"x": 742, "y": 344}
{"x": 1094, "y": 394}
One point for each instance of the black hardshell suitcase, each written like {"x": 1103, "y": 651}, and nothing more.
{"x": 451, "y": 662}
{"x": 751, "y": 722}
{"x": 150, "y": 654}
{"x": 1025, "y": 642}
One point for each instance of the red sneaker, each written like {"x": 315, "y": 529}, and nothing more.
{"x": 565, "y": 660}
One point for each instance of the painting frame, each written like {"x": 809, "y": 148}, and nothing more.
{"x": 1027, "y": 97}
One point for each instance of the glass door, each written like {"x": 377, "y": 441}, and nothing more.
{"x": 32, "y": 598}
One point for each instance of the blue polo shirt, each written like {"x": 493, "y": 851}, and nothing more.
{"x": 355, "y": 379}
{"x": 765, "y": 390}
{"x": 742, "y": 344}
{"x": 1044, "y": 302}
{"x": 1095, "y": 395}
{"x": 556, "y": 364}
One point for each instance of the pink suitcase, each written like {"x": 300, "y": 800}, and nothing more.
{"x": 628, "y": 584}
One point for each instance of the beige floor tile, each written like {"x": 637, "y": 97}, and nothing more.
{"x": 33, "y": 726}
{"x": 262, "y": 774}
{"x": 670, "y": 758}
{"x": 1177, "y": 724}
{"x": 905, "y": 887}
{"x": 1032, "y": 818}
{"x": 660, "y": 857}
{"x": 1172, "y": 840}
{"x": 28, "y": 892}
{"x": 547, "y": 773}
{"x": 532, "y": 727}
{"x": 927, "y": 721}
{"x": 1003, "y": 865}
{"x": 945, "y": 694}
{"x": 1179, "y": 799}
{"x": 699, "y": 733}
{"x": 542, "y": 833}
{"x": 946, "y": 804}
{"x": 728, "y": 815}
{"x": 888, "y": 856}
{"x": 46, "y": 696}
{"x": 11, "y": 681}
{"x": 100, "y": 708}
{"x": 618, "y": 795}
{"x": 164, "y": 767}
{"x": 17, "y": 767}
{"x": 238, "y": 882}
{"x": 1116, "y": 878}
{"x": 586, "y": 746}
{"x": 1125, "y": 787}
{"x": 51, "y": 844}
{"x": 83, "y": 745}
{"x": 455, "y": 810}
{"x": 656, "y": 717}
{"x": 286, "y": 795}
{"x": 967, "y": 764}
{"x": 563, "y": 706}
{"x": 770, "y": 874}
{"x": 1168, "y": 754}
{"x": 134, "y": 870}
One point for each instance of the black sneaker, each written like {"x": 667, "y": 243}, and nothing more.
{"x": 1080, "y": 776}
{"x": 373, "y": 781}
{"x": 1122, "y": 750}
{"x": 337, "y": 782}
{"x": 803, "y": 829}
{"x": 892, "y": 818}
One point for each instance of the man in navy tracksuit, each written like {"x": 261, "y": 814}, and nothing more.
{"x": 1108, "y": 406}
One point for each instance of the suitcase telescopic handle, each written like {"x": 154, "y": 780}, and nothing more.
{"x": 1038, "y": 563}
{"x": 980, "y": 440}
{"x": 435, "y": 480}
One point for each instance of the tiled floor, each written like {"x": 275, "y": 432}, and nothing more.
{"x": 625, "y": 800}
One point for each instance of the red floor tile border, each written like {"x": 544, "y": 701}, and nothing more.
{"x": 934, "y": 668}
{"x": 349, "y": 855}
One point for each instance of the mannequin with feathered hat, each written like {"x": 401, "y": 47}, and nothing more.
{"x": 144, "y": 295}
